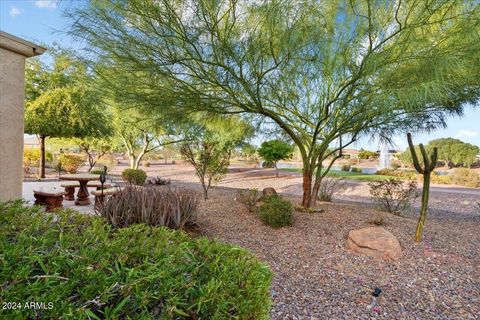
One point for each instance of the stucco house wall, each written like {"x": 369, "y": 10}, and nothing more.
{"x": 13, "y": 52}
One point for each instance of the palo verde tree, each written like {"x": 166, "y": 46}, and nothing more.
{"x": 61, "y": 103}
{"x": 94, "y": 148}
{"x": 325, "y": 72}
{"x": 140, "y": 133}
{"x": 425, "y": 170}
{"x": 274, "y": 151}
{"x": 210, "y": 148}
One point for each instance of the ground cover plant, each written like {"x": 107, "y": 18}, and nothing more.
{"x": 89, "y": 270}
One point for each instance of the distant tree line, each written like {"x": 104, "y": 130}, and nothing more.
{"x": 452, "y": 152}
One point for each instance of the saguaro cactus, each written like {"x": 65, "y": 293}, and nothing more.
{"x": 428, "y": 166}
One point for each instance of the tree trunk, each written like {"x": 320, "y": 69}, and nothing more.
{"x": 91, "y": 162}
{"x": 137, "y": 162}
{"x": 424, "y": 208}
{"x": 41, "y": 167}
{"x": 205, "y": 190}
{"x": 132, "y": 161}
{"x": 276, "y": 168}
{"x": 316, "y": 187}
{"x": 307, "y": 188}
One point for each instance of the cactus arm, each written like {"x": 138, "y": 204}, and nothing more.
{"x": 426, "y": 161}
{"x": 416, "y": 163}
{"x": 434, "y": 159}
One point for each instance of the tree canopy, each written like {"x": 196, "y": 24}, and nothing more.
{"x": 325, "y": 72}
{"x": 274, "y": 151}
{"x": 453, "y": 152}
{"x": 60, "y": 102}
{"x": 209, "y": 149}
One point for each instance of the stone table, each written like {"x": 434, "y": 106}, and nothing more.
{"x": 82, "y": 178}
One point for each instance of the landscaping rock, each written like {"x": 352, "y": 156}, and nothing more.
{"x": 269, "y": 192}
{"x": 375, "y": 242}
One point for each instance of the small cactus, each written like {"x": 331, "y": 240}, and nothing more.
{"x": 428, "y": 166}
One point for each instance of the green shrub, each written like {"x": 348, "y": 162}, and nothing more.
{"x": 365, "y": 154}
{"x": 163, "y": 207}
{"x": 134, "y": 176}
{"x": 86, "y": 269}
{"x": 96, "y": 171}
{"x": 356, "y": 169}
{"x": 465, "y": 177}
{"x": 392, "y": 195}
{"x": 249, "y": 198}
{"x": 31, "y": 157}
{"x": 71, "y": 162}
{"x": 345, "y": 167}
{"x": 268, "y": 164}
{"x": 275, "y": 212}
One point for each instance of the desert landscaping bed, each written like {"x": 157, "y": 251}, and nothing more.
{"x": 315, "y": 277}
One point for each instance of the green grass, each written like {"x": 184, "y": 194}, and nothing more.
{"x": 356, "y": 176}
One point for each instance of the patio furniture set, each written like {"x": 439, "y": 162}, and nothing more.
{"x": 52, "y": 197}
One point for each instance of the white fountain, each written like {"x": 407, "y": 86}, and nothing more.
{"x": 384, "y": 161}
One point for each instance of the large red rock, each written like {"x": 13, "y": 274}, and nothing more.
{"x": 375, "y": 242}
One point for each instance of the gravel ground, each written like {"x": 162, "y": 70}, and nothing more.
{"x": 315, "y": 277}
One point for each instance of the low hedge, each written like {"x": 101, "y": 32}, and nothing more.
{"x": 134, "y": 176}
{"x": 82, "y": 268}
{"x": 275, "y": 212}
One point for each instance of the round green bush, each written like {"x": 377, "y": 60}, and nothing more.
{"x": 275, "y": 212}
{"x": 88, "y": 270}
{"x": 134, "y": 176}
{"x": 268, "y": 164}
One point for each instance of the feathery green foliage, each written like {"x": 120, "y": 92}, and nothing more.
{"x": 325, "y": 72}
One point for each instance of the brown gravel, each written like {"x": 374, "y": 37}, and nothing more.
{"x": 316, "y": 278}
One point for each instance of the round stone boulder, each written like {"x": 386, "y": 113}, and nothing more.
{"x": 375, "y": 242}
{"x": 269, "y": 192}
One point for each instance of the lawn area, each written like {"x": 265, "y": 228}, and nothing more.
{"x": 356, "y": 176}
